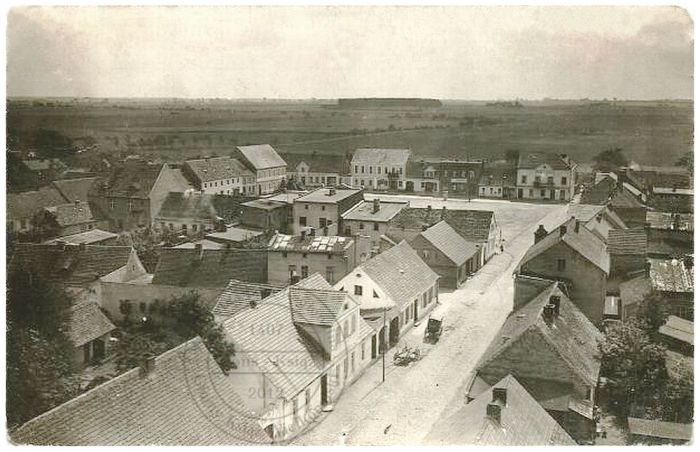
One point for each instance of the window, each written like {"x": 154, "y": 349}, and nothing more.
{"x": 323, "y": 208}
{"x": 363, "y": 169}
{"x": 295, "y": 407}
{"x": 529, "y": 192}
{"x": 330, "y": 274}
{"x": 589, "y": 393}
{"x": 321, "y": 223}
{"x": 131, "y": 204}
{"x": 302, "y": 221}
{"x": 370, "y": 169}
{"x": 183, "y": 227}
{"x": 358, "y": 290}
{"x": 304, "y": 255}
{"x": 284, "y": 254}
{"x": 376, "y": 226}
{"x": 542, "y": 193}
{"x": 306, "y": 207}
{"x": 356, "y": 169}
{"x": 304, "y": 271}
{"x": 307, "y": 397}
{"x": 362, "y": 225}
{"x": 523, "y": 180}
{"x": 563, "y": 180}
{"x": 111, "y": 204}
{"x": 550, "y": 180}
{"x": 426, "y": 254}
{"x": 538, "y": 179}
{"x": 194, "y": 227}
{"x": 345, "y": 368}
{"x": 561, "y": 264}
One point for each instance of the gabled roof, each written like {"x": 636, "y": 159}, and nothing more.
{"x": 364, "y": 211}
{"x": 678, "y": 328}
{"x": 208, "y": 268}
{"x": 472, "y": 225}
{"x": 186, "y": 400}
{"x": 87, "y": 322}
{"x": 523, "y": 422}
{"x": 382, "y": 156}
{"x": 309, "y": 244}
{"x": 218, "y": 168}
{"x": 587, "y": 212}
{"x": 28, "y": 203}
{"x": 132, "y": 180}
{"x": 671, "y": 221}
{"x": 532, "y": 160}
{"x": 660, "y": 429}
{"x": 400, "y": 272}
{"x": 328, "y": 195}
{"x": 87, "y": 237}
{"x": 262, "y": 156}
{"x": 71, "y": 214}
{"x": 189, "y": 205}
{"x": 627, "y": 241}
{"x": 323, "y": 163}
{"x": 600, "y": 192}
{"x": 318, "y": 307}
{"x": 443, "y": 237}
{"x": 502, "y": 174}
{"x": 584, "y": 242}
{"x": 671, "y": 275}
{"x": 73, "y": 265}
{"x": 571, "y": 335}
{"x": 75, "y": 189}
{"x": 240, "y": 295}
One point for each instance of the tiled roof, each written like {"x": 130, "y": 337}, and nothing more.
{"x": 185, "y": 401}
{"x": 400, "y": 272}
{"x": 585, "y": 242}
{"x": 523, "y": 422}
{"x": 69, "y": 264}
{"x": 132, "y": 180}
{"x": 75, "y": 189}
{"x": 87, "y": 237}
{"x": 71, "y": 214}
{"x": 531, "y": 160}
{"x": 262, "y": 156}
{"x": 206, "y": 244}
{"x": 87, "y": 322}
{"x": 210, "y": 268}
{"x": 234, "y": 234}
{"x": 323, "y": 195}
{"x": 218, "y": 168}
{"x": 678, "y": 328}
{"x": 472, "y": 225}
{"x": 571, "y": 335}
{"x": 627, "y": 241}
{"x": 318, "y": 307}
{"x": 238, "y": 295}
{"x": 660, "y": 429}
{"x": 498, "y": 174}
{"x": 325, "y": 163}
{"x": 625, "y": 199}
{"x": 450, "y": 243}
{"x": 382, "y": 156}
{"x": 587, "y": 212}
{"x": 671, "y": 275}
{"x": 188, "y": 205}
{"x": 265, "y": 204}
{"x": 315, "y": 244}
{"x": 28, "y": 203}
{"x": 634, "y": 290}
{"x": 365, "y": 211}
{"x": 601, "y": 192}
{"x": 667, "y": 220}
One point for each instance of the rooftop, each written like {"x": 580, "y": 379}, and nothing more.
{"x": 87, "y": 237}
{"x": 522, "y": 421}
{"x": 262, "y": 156}
{"x": 309, "y": 244}
{"x": 634, "y": 290}
{"x": 627, "y": 241}
{"x": 532, "y": 160}
{"x": 328, "y": 195}
{"x": 443, "y": 237}
{"x": 678, "y": 328}
{"x": 28, "y": 203}
{"x": 472, "y": 225}
{"x": 206, "y": 244}
{"x": 71, "y": 214}
{"x": 326, "y": 163}
{"x": 234, "y": 234}
{"x": 87, "y": 322}
{"x": 587, "y": 212}
{"x": 672, "y": 191}
{"x": 240, "y": 295}
{"x": 671, "y": 221}
{"x": 75, "y": 189}
{"x": 382, "y": 156}
{"x": 132, "y": 180}
{"x": 188, "y": 205}
{"x": 365, "y": 211}
{"x": 660, "y": 429}
{"x": 43, "y": 164}
{"x": 265, "y": 204}
{"x": 671, "y": 275}
{"x": 218, "y": 168}
{"x": 186, "y": 400}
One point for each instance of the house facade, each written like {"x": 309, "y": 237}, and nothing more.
{"x": 65, "y": 219}
{"x": 313, "y": 171}
{"x": 269, "y": 169}
{"x": 266, "y": 214}
{"x": 545, "y": 176}
{"x": 220, "y": 175}
{"x": 189, "y": 212}
{"x": 379, "y": 169}
{"x": 370, "y": 218}
{"x": 322, "y": 209}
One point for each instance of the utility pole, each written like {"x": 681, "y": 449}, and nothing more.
{"x": 384, "y": 349}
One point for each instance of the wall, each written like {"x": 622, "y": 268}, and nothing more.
{"x": 313, "y": 212}
{"x": 450, "y": 274}
{"x": 125, "y": 213}
{"x": 585, "y": 281}
{"x": 367, "y": 228}
{"x": 557, "y": 185}
{"x": 621, "y": 264}
{"x": 527, "y": 288}
{"x": 164, "y": 184}
{"x": 278, "y": 265}
{"x": 176, "y": 224}
{"x": 277, "y": 219}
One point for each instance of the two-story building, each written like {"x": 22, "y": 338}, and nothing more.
{"x": 188, "y": 212}
{"x": 379, "y": 169}
{"x": 220, "y": 175}
{"x": 575, "y": 256}
{"x": 322, "y": 209}
{"x": 291, "y": 258}
{"x": 65, "y": 219}
{"x": 269, "y": 169}
{"x": 370, "y": 218}
{"x": 296, "y": 351}
{"x": 395, "y": 289}
{"x": 312, "y": 170}
{"x": 497, "y": 181}
{"x": 545, "y": 176}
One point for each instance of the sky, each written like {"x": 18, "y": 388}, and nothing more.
{"x": 474, "y": 53}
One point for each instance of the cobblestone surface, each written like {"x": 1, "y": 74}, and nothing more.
{"x": 403, "y": 408}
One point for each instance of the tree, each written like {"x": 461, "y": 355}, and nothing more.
{"x": 611, "y": 159}
{"x": 512, "y": 156}
{"x": 652, "y": 313}
{"x": 687, "y": 161}
{"x": 170, "y": 324}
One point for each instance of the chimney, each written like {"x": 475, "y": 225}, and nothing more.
{"x": 493, "y": 412}
{"x": 562, "y": 230}
{"x": 312, "y": 232}
{"x": 548, "y": 314}
{"x": 555, "y": 300}
{"x": 148, "y": 365}
{"x": 540, "y": 233}
{"x": 331, "y": 191}
{"x": 443, "y": 213}
{"x": 303, "y": 234}
{"x": 375, "y": 205}
{"x": 647, "y": 268}
{"x": 325, "y": 231}
{"x": 599, "y": 217}
{"x": 198, "y": 250}
{"x": 499, "y": 396}
{"x": 77, "y": 202}
{"x": 577, "y": 226}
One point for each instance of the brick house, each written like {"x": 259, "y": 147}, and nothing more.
{"x": 447, "y": 254}
{"x": 291, "y": 258}
{"x": 395, "y": 289}
{"x": 269, "y": 169}
{"x": 323, "y": 208}
{"x": 550, "y": 346}
{"x": 576, "y": 256}
{"x": 296, "y": 350}
{"x": 220, "y": 175}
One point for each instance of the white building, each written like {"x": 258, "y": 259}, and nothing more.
{"x": 379, "y": 168}
{"x": 269, "y": 168}
{"x": 545, "y": 176}
{"x": 220, "y": 175}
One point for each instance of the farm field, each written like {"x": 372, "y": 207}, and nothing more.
{"x": 650, "y": 133}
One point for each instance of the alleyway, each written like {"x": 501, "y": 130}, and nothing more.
{"x": 403, "y": 409}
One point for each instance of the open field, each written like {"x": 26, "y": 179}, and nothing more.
{"x": 651, "y": 133}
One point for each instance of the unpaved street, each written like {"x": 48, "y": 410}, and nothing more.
{"x": 403, "y": 409}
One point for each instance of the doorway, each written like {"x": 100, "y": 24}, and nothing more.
{"x": 415, "y": 310}
{"x": 324, "y": 389}
{"x": 374, "y": 346}
{"x": 394, "y": 332}
{"x": 520, "y": 193}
